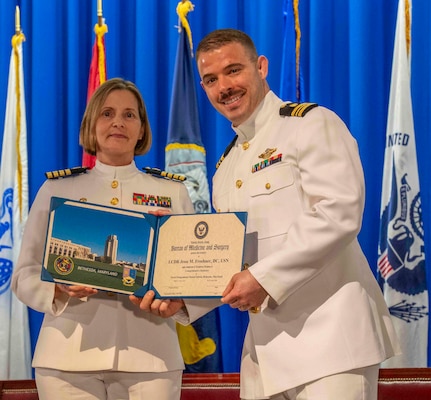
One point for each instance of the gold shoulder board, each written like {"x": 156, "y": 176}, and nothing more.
{"x": 296, "y": 109}
{"x": 164, "y": 174}
{"x": 227, "y": 150}
{"x": 63, "y": 173}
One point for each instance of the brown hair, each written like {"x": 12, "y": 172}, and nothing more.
{"x": 87, "y": 133}
{"x": 222, "y": 37}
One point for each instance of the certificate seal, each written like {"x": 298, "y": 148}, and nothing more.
{"x": 201, "y": 230}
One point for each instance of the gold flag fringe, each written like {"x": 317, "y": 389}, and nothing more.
{"x": 100, "y": 31}
{"x": 408, "y": 25}
{"x": 183, "y": 8}
{"x": 297, "y": 44}
{"x": 17, "y": 40}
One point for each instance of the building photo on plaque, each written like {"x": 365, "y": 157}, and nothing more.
{"x": 98, "y": 246}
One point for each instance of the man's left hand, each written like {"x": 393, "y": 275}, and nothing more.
{"x": 244, "y": 292}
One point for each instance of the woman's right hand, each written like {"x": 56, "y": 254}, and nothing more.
{"x": 74, "y": 291}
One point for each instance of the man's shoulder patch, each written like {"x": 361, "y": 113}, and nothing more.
{"x": 296, "y": 109}
{"x": 63, "y": 173}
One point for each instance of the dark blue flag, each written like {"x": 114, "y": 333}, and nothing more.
{"x": 185, "y": 155}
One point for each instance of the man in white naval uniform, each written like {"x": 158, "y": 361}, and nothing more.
{"x": 319, "y": 325}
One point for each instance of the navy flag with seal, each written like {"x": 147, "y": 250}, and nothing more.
{"x": 401, "y": 251}
{"x": 185, "y": 155}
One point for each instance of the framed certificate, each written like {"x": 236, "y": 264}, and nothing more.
{"x": 125, "y": 251}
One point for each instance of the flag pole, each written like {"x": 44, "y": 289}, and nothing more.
{"x": 100, "y": 29}
{"x": 17, "y": 21}
{"x": 97, "y": 73}
{"x": 99, "y": 13}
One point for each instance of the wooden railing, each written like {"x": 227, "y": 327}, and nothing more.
{"x": 394, "y": 384}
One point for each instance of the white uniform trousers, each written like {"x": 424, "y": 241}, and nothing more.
{"x": 108, "y": 385}
{"x": 357, "y": 384}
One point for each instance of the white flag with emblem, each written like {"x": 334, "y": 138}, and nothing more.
{"x": 15, "y": 355}
{"x": 401, "y": 262}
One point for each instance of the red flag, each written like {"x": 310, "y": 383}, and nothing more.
{"x": 96, "y": 76}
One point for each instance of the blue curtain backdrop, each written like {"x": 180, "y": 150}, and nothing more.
{"x": 346, "y": 57}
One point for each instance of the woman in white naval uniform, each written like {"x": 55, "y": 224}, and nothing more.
{"x": 323, "y": 325}
{"x": 98, "y": 345}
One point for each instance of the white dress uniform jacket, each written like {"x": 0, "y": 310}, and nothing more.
{"x": 301, "y": 181}
{"x": 106, "y": 331}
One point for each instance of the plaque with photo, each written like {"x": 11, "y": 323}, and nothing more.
{"x": 126, "y": 251}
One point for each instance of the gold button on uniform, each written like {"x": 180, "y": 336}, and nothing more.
{"x": 114, "y": 201}
{"x": 83, "y": 199}
{"x": 238, "y": 183}
{"x": 268, "y": 186}
{"x": 114, "y": 184}
{"x": 245, "y": 145}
